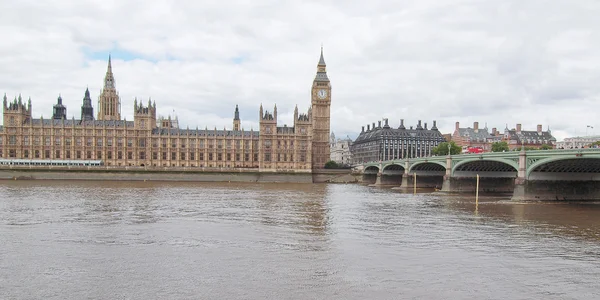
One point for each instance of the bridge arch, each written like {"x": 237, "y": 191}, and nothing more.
{"x": 427, "y": 166}
{"x": 371, "y": 170}
{"x": 498, "y": 165}
{"x": 589, "y": 164}
{"x": 393, "y": 169}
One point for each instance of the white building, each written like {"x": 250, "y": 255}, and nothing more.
{"x": 340, "y": 150}
{"x": 577, "y": 142}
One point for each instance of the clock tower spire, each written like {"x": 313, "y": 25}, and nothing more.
{"x": 321, "y": 103}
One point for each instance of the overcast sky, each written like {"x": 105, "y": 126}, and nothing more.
{"x": 496, "y": 62}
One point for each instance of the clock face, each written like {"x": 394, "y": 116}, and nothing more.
{"x": 322, "y": 94}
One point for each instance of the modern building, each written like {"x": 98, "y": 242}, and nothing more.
{"x": 578, "y": 142}
{"x": 517, "y": 138}
{"x": 148, "y": 141}
{"x": 340, "y": 150}
{"x": 379, "y": 143}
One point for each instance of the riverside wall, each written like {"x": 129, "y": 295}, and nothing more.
{"x": 177, "y": 174}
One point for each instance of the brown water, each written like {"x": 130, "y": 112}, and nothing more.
{"x": 148, "y": 240}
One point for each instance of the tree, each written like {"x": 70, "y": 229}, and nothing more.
{"x": 331, "y": 165}
{"x": 442, "y": 149}
{"x": 546, "y": 147}
{"x": 499, "y": 146}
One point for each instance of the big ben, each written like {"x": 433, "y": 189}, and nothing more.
{"x": 321, "y": 103}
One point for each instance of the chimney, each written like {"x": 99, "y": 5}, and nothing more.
{"x": 457, "y": 126}
{"x": 539, "y": 128}
{"x": 425, "y": 125}
{"x": 476, "y": 126}
{"x": 518, "y": 128}
{"x": 494, "y": 131}
{"x": 419, "y": 125}
{"x": 386, "y": 123}
{"x": 402, "y": 124}
{"x": 368, "y": 127}
{"x": 373, "y": 125}
{"x": 363, "y": 129}
{"x": 434, "y": 125}
{"x": 378, "y": 124}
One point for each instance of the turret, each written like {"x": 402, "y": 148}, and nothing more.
{"x": 60, "y": 111}
{"x": 236, "y": 119}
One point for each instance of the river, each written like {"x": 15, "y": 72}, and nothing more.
{"x": 162, "y": 240}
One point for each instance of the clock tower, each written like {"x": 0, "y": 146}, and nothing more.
{"x": 321, "y": 103}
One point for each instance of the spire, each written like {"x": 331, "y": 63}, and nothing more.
{"x": 109, "y": 79}
{"x": 87, "y": 93}
{"x": 321, "y": 69}
{"x": 237, "y": 113}
{"x": 322, "y": 60}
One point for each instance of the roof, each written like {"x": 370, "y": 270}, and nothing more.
{"x": 72, "y": 122}
{"x": 386, "y": 131}
{"x": 530, "y": 136}
{"x": 480, "y": 135}
{"x": 204, "y": 132}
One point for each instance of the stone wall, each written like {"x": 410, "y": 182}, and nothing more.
{"x": 336, "y": 176}
{"x": 538, "y": 190}
{"x": 156, "y": 176}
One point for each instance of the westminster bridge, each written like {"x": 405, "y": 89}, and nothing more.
{"x": 529, "y": 175}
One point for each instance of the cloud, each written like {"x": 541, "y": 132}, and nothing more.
{"x": 530, "y": 62}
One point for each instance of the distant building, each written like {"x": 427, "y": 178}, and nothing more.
{"x": 472, "y": 137}
{"x": 340, "y": 150}
{"x": 517, "y": 138}
{"x": 577, "y": 142}
{"x": 386, "y": 143}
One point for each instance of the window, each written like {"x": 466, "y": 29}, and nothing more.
{"x": 120, "y": 155}
{"x": 37, "y": 153}
{"x": 173, "y": 155}
{"x": 129, "y": 155}
{"x": 99, "y": 155}
{"x": 164, "y": 155}
{"x": 26, "y": 153}
{"x": 154, "y": 155}
{"x": 182, "y": 155}
{"x": 129, "y": 142}
{"x": 109, "y": 154}
{"x": 25, "y": 141}
{"x": 228, "y": 156}
{"x": 99, "y": 142}
{"x": 88, "y": 155}
{"x": 267, "y": 156}
{"x": 201, "y": 156}
{"x": 68, "y": 141}
{"x": 142, "y": 142}
{"x": 89, "y": 142}
{"x": 57, "y": 154}
{"x": 247, "y": 157}
{"x": 78, "y": 154}
{"x": 237, "y": 156}
{"x": 255, "y": 156}
{"x": 119, "y": 142}
{"x": 192, "y": 156}
{"x": 142, "y": 155}
{"x": 210, "y": 156}
{"x": 47, "y": 154}
{"x": 12, "y": 140}
{"x": 219, "y": 156}
{"x": 47, "y": 141}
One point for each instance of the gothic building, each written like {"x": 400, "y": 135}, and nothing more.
{"x": 160, "y": 142}
{"x": 387, "y": 143}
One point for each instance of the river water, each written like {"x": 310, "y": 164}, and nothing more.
{"x": 149, "y": 240}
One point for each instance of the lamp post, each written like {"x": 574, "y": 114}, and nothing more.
{"x": 449, "y": 146}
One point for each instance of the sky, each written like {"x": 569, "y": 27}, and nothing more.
{"x": 496, "y": 62}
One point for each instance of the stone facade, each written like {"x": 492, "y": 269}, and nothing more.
{"x": 578, "y": 142}
{"x": 517, "y": 138}
{"x": 340, "y": 150}
{"x": 148, "y": 141}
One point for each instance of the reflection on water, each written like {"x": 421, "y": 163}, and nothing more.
{"x": 148, "y": 240}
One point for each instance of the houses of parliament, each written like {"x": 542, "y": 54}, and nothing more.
{"x": 151, "y": 142}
